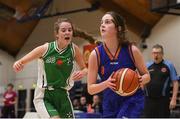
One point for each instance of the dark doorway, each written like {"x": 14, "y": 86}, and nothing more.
{"x": 22, "y": 94}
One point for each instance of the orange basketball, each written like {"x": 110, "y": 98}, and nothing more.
{"x": 127, "y": 81}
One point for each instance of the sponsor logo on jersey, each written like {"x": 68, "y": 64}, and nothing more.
{"x": 69, "y": 114}
{"x": 69, "y": 61}
{"x": 50, "y": 60}
{"x": 114, "y": 63}
{"x": 163, "y": 69}
{"x": 59, "y": 62}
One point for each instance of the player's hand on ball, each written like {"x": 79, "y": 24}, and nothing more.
{"x": 110, "y": 82}
{"x": 142, "y": 81}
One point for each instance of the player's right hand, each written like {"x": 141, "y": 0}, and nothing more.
{"x": 110, "y": 82}
{"x": 18, "y": 66}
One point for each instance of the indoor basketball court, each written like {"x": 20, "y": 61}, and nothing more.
{"x": 26, "y": 25}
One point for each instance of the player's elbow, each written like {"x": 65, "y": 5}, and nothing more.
{"x": 90, "y": 90}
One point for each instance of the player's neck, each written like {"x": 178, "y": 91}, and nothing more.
{"x": 61, "y": 45}
{"x": 112, "y": 44}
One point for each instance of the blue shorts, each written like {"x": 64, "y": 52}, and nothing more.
{"x": 117, "y": 106}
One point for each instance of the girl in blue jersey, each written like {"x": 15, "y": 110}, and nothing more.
{"x": 115, "y": 53}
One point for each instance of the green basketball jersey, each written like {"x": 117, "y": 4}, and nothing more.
{"x": 57, "y": 66}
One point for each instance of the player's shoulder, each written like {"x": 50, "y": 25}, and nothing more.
{"x": 134, "y": 48}
{"x": 93, "y": 53}
{"x": 45, "y": 46}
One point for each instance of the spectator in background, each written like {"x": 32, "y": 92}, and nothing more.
{"x": 162, "y": 73}
{"x": 9, "y": 99}
{"x": 83, "y": 104}
{"x": 96, "y": 105}
{"x": 86, "y": 94}
{"x": 76, "y": 104}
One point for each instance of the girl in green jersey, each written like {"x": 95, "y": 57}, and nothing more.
{"x": 55, "y": 72}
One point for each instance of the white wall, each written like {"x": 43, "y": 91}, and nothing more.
{"x": 6, "y": 71}
{"x": 166, "y": 33}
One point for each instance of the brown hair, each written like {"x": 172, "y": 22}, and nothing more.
{"x": 59, "y": 21}
{"x": 10, "y": 85}
{"x": 119, "y": 22}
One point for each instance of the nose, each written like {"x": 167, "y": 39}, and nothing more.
{"x": 67, "y": 32}
{"x": 102, "y": 25}
{"x": 155, "y": 55}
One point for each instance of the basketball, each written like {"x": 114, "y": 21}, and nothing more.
{"x": 127, "y": 82}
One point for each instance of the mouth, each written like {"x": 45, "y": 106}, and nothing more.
{"x": 103, "y": 31}
{"x": 156, "y": 58}
{"x": 67, "y": 38}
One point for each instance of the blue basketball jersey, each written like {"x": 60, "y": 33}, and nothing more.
{"x": 115, "y": 105}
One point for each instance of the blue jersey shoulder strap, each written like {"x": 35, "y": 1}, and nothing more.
{"x": 173, "y": 73}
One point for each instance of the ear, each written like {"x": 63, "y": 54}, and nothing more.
{"x": 56, "y": 34}
{"x": 119, "y": 28}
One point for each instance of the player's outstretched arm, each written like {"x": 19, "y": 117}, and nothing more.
{"x": 34, "y": 54}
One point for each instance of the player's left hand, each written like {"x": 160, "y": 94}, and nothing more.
{"x": 77, "y": 75}
{"x": 141, "y": 83}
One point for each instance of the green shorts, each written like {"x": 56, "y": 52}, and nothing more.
{"x": 57, "y": 103}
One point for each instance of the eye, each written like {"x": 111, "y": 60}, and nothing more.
{"x": 63, "y": 30}
{"x": 107, "y": 21}
{"x": 70, "y": 30}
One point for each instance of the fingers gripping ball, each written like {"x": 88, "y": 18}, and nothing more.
{"x": 127, "y": 82}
